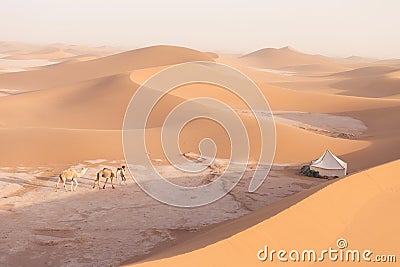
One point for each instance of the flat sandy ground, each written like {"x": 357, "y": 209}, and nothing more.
{"x": 63, "y": 106}
{"x": 107, "y": 227}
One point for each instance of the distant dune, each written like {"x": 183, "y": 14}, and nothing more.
{"x": 212, "y": 55}
{"x": 372, "y": 81}
{"x": 395, "y": 62}
{"x": 366, "y": 71}
{"x": 93, "y": 95}
{"x": 355, "y": 60}
{"x": 50, "y": 53}
{"x": 64, "y": 74}
{"x": 290, "y": 59}
{"x": 349, "y": 208}
{"x": 57, "y": 51}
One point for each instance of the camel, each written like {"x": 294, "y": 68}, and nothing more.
{"x": 121, "y": 172}
{"x": 70, "y": 174}
{"x": 106, "y": 173}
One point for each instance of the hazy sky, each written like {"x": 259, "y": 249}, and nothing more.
{"x": 335, "y": 28}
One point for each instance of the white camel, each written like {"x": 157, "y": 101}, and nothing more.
{"x": 70, "y": 174}
{"x": 121, "y": 173}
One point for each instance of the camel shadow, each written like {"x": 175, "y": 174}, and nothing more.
{"x": 24, "y": 182}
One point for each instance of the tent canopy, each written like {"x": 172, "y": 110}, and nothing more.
{"x": 329, "y": 161}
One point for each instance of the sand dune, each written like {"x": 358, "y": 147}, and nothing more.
{"x": 72, "y": 112}
{"x": 10, "y": 48}
{"x": 57, "y": 51}
{"x": 366, "y": 82}
{"x": 35, "y": 147}
{"x": 99, "y": 104}
{"x": 96, "y": 101}
{"x": 376, "y": 81}
{"x": 96, "y": 104}
{"x": 279, "y": 97}
{"x": 355, "y": 60}
{"x": 299, "y": 144}
{"x": 350, "y": 202}
{"x": 285, "y": 99}
{"x": 66, "y": 74}
{"x": 383, "y": 133}
{"x": 309, "y": 69}
{"x": 290, "y": 59}
{"x": 395, "y": 62}
{"x": 50, "y": 53}
{"x": 212, "y": 55}
{"x": 373, "y": 86}
{"x": 370, "y": 87}
{"x": 293, "y": 144}
{"x": 363, "y": 79}
{"x": 366, "y": 71}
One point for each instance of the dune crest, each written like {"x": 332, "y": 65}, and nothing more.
{"x": 65, "y": 74}
{"x": 288, "y": 58}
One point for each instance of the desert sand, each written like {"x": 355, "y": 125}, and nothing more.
{"x": 64, "y": 105}
{"x": 108, "y": 227}
{"x": 336, "y": 213}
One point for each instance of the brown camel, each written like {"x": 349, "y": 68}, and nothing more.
{"x": 106, "y": 173}
{"x": 70, "y": 174}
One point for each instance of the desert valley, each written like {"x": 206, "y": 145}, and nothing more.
{"x": 63, "y": 106}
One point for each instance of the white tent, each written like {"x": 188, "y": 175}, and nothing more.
{"x": 329, "y": 165}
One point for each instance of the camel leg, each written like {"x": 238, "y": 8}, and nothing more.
{"x": 66, "y": 190}
{"x": 112, "y": 183}
{"x": 57, "y": 184}
{"x": 104, "y": 186}
{"x": 98, "y": 183}
{"x": 76, "y": 183}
